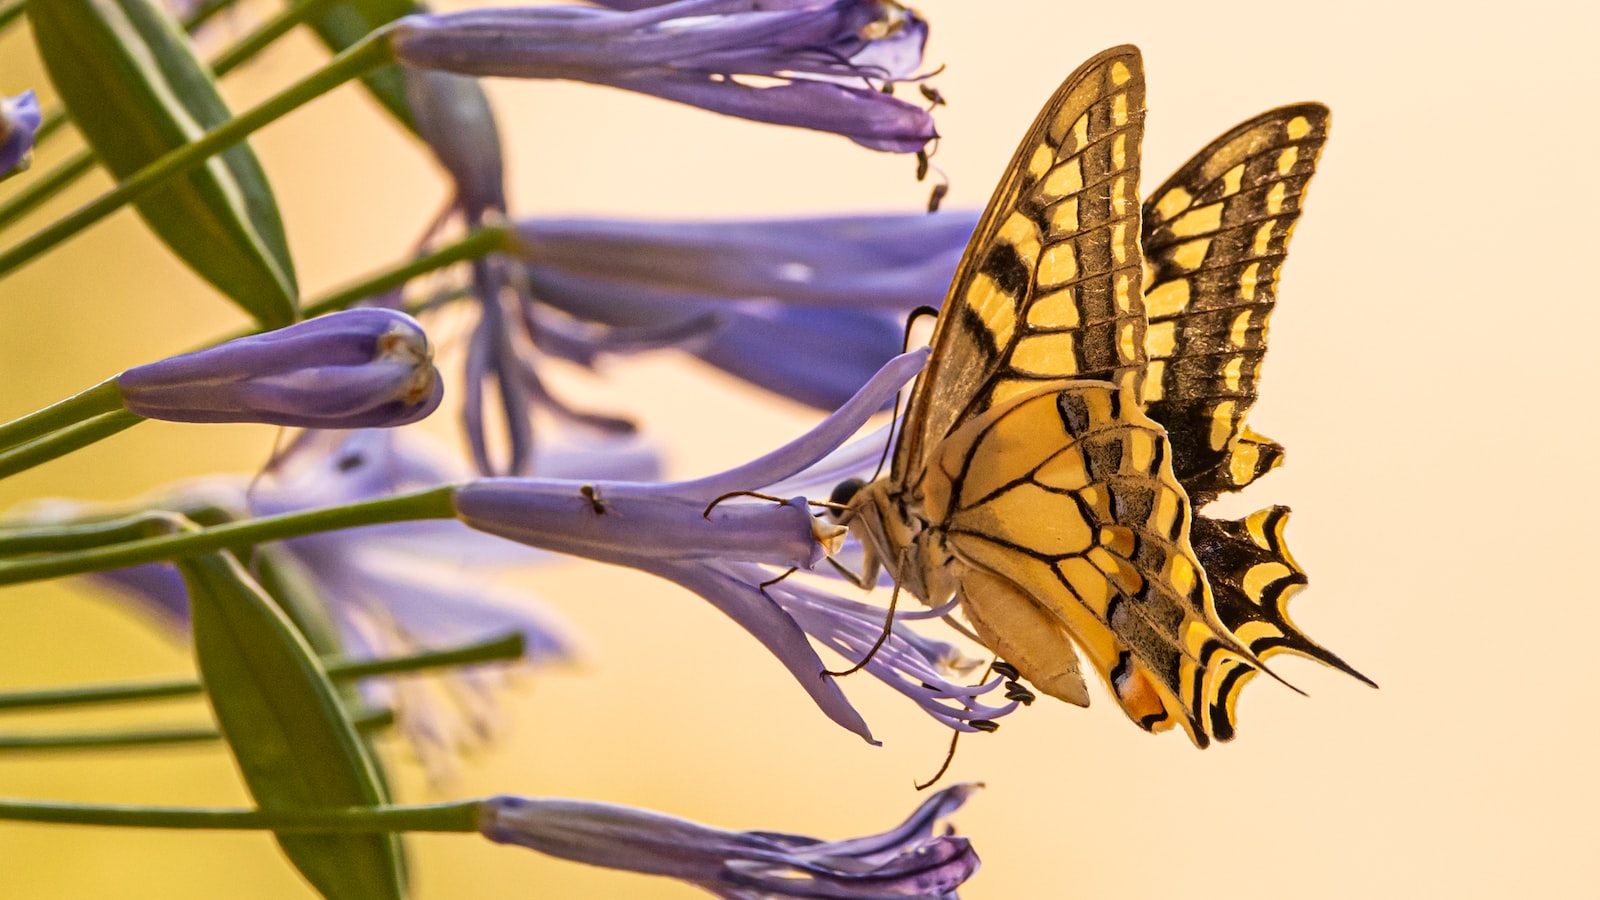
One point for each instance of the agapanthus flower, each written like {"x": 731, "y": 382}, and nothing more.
{"x": 904, "y": 862}
{"x": 359, "y": 368}
{"x": 731, "y": 551}
{"x": 19, "y": 120}
{"x": 390, "y": 589}
{"x": 817, "y": 64}
{"x": 832, "y": 292}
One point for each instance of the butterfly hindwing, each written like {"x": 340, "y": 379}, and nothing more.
{"x": 1049, "y": 286}
{"x": 1215, "y": 235}
{"x": 1253, "y": 577}
{"x": 1065, "y": 512}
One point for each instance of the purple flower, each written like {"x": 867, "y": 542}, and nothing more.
{"x": 815, "y": 64}
{"x": 733, "y": 553}
{"x": 19, "y": 119}
{"x": 907, "y": 861}
{"x": 832, "y": 292}
{"x": 390, "y": 589}
{"x": 360, "y": 368}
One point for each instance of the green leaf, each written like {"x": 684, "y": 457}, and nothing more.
{"x": 294, "y": 743}
{"x": 135, "y": 89}
{"x": 348, "y": 21}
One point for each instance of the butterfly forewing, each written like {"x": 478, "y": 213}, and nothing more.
{"x": 1049, "y": 286}
{"x": 1215, "y": 235}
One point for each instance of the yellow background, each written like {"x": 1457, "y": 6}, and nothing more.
{"x": 1432, "y": 375}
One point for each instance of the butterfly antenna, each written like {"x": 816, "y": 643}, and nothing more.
{"x": 905, "y": 344}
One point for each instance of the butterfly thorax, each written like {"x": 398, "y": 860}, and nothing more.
{"x": 897, "y": 533}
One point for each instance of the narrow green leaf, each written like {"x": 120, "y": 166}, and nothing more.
{"x": 348, "y": 21}
{"x": 294, "y": 744}
{"x": 136, "y": 91}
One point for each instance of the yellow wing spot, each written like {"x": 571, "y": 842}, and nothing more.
{"x": 1120, "y": 74}
{"x": 1263, "y": 574}
{"x": 1120, "y": 197}
{"x": 1222, "y": 424}
{"x": 1263, "y": 243}
{"x": 1119, "y": 246}
{"x": 1118, "y": 540}
{"x": 1231, "y": 180}
{"x": 1119, "y": 146}
{"x": 1023, "y": 236}
{"x": 1256, "y": 525}
{"x": 1232, "y": 372}
{"x": 1192, "y": 254}
{"x": 1154, "y": 389}
{"x": 1124, "y": 297}
{"x": 1161, "y": 338}
{"x": 1123, "y": 576}
{"x": 1240, "y": 332}
{"x": 1198, "y": 221}
{"x": 1259, "y": 629}
{"x": 1247, "y": 282}
{"x": 1127, "y": 344}
{"x": 1287, "y": 159}
{"x": 1042, "y": 354}
{"x": 1297, "y": 128}
{"x": 1119, "y": 116}
{"x": 1041, "y": 161}
{"x": 1064, "y": 179}
{"x": 1080, "y": 133}
{"x": 1057, "y": 310}
{"x": 1173, "y": 202}
{"x": 1064, "y": 216}
{"x": 1140, "y": 449}
{"x": 1275, "y": 197}
{"x": 1167, "y": 299}
{"x": 1058, "y": 264}
{"x": 1165, "y": 515}
{"x": 1180, "y": 574}
{"x": 1088, "y": 582}
{"x": 1095, "y": 497}
{"x": 1064, "y": 471}
{"x": 995, "y": 308}
{"x": 1243, "y": 461}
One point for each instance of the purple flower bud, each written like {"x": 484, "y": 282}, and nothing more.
{"x": 19, "y": 119}
{"x": 908, "y": 861}
{"x": 829, "y": 57}
{"x": 360, "y": 368}
{"x": 453, "y": 115}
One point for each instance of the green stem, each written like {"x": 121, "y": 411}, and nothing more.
{"x": 45, "y": 186}
{"x": 67, "y": 440}
{"x": 474, "y": 244}
{"x": 461, "y": 815}
{"x": 50, "y": 122}
{"x": 509, "y": 647}
{"x": 360, "y": 58}
{"x": 435, "y": 503}
{"x": 11, "y": 11}
{"x": 366, "y": 721}
{"x": 102, "y": 398}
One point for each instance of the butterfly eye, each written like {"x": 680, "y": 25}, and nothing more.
{"x": 842, "y": 494}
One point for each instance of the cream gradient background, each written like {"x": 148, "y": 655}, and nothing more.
{"x": 1432, "y": 375}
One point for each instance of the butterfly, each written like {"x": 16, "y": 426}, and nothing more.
{"x": 1090, "y": 374}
